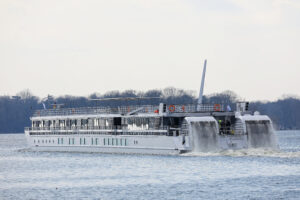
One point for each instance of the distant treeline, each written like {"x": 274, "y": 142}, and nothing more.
{"x": 15, "y": 111}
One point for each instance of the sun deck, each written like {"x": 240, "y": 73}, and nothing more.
{"x": 128, "y": 110}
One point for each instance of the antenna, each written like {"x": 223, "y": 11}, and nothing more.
{"x": 201, "y": 87}
{"x": 48, "y": 98}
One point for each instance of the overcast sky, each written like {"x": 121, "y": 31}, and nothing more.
{"x": 78, "y": 47}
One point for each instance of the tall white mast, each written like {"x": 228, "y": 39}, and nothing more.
{"x": 201, "y": 87}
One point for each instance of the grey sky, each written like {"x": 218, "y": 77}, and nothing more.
{"x": 79, "y": 47}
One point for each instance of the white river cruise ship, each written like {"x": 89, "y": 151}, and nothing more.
{"x": 148, "y": 129}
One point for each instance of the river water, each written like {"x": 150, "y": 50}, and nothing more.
{"x": 243, "y": 174}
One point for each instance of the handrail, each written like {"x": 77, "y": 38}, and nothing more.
{"x": 94, "y": 110}
{"x": 74, "y": 128}
{"x": 189, "y": 108}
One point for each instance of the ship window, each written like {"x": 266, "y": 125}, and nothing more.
{"x": 117, "y": 141}
{"x": 45, "y": 141}
{"x": 62, "y": 140}
{"x": 57, "y": 140}
{"x": 112, "y": 141}
{"x": 117, "y": 121}
{"x": 80, "y": 141}
{"x": 121, "y": 142}
{"x": 92, "y": 141}
{"x": 126, "y": 142}
{"x": 67, "y": 122}
{"x": 49, "y": 141}
{"x": 61, "y": 123}
{"x": 105, "y": 122}
{"x": 83, "y": 122}
{"x": 69, "y": 140}
{"x": 74, "y": 122}
{"x": 73, "y": 140}
{"x": 53, "y": 141}
{"x": 96, "y": 141}
{"x": 33, "y": 141}
{"x": 96, "y": 122}
{"x": 108, "y": 141}
{"x": 83, "y": 140}
{"x": 104, "y": 141}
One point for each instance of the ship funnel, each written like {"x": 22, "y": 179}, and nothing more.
{"x": 201, "y": 87}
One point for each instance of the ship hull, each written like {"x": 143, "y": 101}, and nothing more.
{"x": 127, "y": 144}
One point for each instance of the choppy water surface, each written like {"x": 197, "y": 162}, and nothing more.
{"x": 243, "y": 174}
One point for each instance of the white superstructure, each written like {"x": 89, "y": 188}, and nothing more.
{"x": 163, "y": 129}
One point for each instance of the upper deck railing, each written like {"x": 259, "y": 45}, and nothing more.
{"x": 94, "y": 110}
{"x": 190, "y": 108}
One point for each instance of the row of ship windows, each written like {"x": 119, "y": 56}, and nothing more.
{"x": 103, "y": 133}
{"x": 94, "y": 141}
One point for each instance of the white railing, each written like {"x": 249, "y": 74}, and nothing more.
{"x": 189, "y": 108}
{"x": 68, "y": 128}
{"x": 95, "y": 110}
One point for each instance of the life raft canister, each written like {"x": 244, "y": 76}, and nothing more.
{"x": 183, "y": 108}
{"x": 217, "y": 107}
{"x": 171, "y": 108}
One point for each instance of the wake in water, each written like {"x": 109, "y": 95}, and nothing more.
{"x": 204, "y": 135}
{"x": 261, "y": 134}
{"x": 257, "y": 152}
